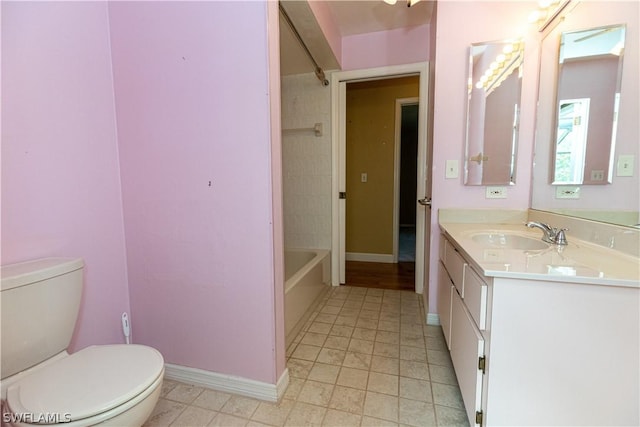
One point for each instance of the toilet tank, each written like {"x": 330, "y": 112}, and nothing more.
{"x": 40, "y": 300}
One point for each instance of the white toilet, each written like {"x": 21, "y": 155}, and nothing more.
{"x": 116, "y": 385}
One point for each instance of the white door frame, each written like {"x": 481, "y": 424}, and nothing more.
{"x": 338, "y": 144}
{"x": 400, "y": 102}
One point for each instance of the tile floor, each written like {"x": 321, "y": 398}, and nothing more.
{"x": 364, "y": 358}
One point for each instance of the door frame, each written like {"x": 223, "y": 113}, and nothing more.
{"x": 400, "y": 102}
{"x": 339, "y": 80}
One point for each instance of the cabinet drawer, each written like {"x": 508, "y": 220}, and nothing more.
{"x": 455, "y": 265}
{"x": 445, "y": 289}
{"x": 475, "y": 297}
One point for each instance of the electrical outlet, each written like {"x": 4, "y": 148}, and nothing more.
{"x": 364, "y": 177}
{"x": 625, "y": 165}
{"x": 597, "y": 175}
{"x": 496, "y": 193}
{"x": 567, "y": 192}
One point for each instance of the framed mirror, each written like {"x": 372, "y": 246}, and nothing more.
{"x": 493, "y": 111}
{"x": 618, "y": 202}
{"x": 587, "y": 102}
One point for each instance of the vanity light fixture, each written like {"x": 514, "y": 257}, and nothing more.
{"x": 502, "y": 67}
{"x": 409, "y": 2}
{"x": 547, "y": 12}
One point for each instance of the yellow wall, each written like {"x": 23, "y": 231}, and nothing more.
{"x": 370, "y": 149}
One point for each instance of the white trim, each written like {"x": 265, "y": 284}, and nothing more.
{"x": 338, "y": 118}
{"x": 366, "y": 257}
{"x": 433, "y": 319}
{"x": 228, "y": 383}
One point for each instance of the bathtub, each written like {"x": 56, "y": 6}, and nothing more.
{"x": 307, "y": 275}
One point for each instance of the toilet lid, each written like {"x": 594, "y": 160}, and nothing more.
{"x": 88, "y": 382}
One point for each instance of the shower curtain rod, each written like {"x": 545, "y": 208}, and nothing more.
{"x": 319, "y": 72}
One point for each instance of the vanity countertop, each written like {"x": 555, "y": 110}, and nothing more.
{"x": 578, "y": 262}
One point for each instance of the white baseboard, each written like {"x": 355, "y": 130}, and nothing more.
{"x": 433, "y": 319}
{"x": 356, "y": 256}
{"x": 228, "y": 383}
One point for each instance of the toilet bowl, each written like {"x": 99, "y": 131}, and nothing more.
{"x": 42, "y": 384}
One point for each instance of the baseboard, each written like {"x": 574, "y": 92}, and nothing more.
{"x": 356, "y": 256}
{"x": 228, "y": 383}
{"x": 433, "y": 319}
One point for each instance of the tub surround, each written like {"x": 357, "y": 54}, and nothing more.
{"x": 559, "y": 324}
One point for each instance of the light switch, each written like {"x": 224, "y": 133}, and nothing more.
{"x": 625, "y": 165}
{"x": 451, "y": 169}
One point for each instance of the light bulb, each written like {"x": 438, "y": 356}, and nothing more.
{"x": 390, "y": 1}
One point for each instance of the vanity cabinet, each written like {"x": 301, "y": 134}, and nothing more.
{"x": 532, "y": 351}
{"x": 462, "y": 308}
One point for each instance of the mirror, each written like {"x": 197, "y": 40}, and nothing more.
{"x": 493, "y": 109}
{"x": 619, "y": 201}
{"x": 587, "y": 100}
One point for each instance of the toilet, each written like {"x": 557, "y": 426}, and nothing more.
{"x": 117, "y": 385}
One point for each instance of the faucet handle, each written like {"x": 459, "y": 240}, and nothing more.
{"x": 560, "y": 238}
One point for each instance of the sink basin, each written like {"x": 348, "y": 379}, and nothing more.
{"x": 509, "y": 241}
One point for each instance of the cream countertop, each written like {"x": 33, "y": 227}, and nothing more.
{"x": 578, "y": 262}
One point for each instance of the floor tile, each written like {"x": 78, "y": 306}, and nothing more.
{"x": 415, "y": 413}
{"x": 194, "y": 416}
{"x": 347, "y": 399}
{"x": 383, "y": 406}
{"x": 364, "y": 334}
{"x": 331, "y": 356}
{"x": 355, "y": 378}
{"x": 273, "y": 414}
{"x": 299, "y": 368}
{"x": 357, "y": 360}
{"x": 165, "y": 412}
{"x": 335, "y": 418}
{"x": 376, "y": 422}
{"x": 443, "y": 374}
{"x": 315, "y": 339}
{"x": 324, "y": 373}
{"x": 383, "y": 383}
{"x": 240, "y": 406}
{"x": 212, "y": 400}
{"x": 360, "y": 346}
{"x": 304, "y": 414}
{"x": 411, "y": 388}
{"x": 413, "y": 369}
{"x": 386, "y": 350}
{"x": 337, "y": 343}
{"x": 316, "y": 393}
{"x": 306, "y": 352}
{"x": 447, "y": 395}
{"x": 446, "y": 416}
{"x": 184, "y": 393}
{"x": 385, "y": 365}
{"x": 226, "y": 420}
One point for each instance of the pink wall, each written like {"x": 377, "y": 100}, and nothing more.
{"x": 60, "y": 175}
{"x": 329, "y": 28}
{"x": 193, "y": 100}
{"x": 483, "y": 21}
{"x": 384, "y": 48}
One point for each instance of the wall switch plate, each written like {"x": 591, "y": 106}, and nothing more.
{"x": 597, "y": 175}
{"x": 451, "y": 170}
{"x": 496, "y": 193}
{"x": 567, "y": 192}
{"x": 625, "y": 165}
{"x": 364, "y": 177}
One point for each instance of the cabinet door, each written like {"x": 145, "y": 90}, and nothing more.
{"x": 445, "y": 289}
{"x": 467, "y": 347}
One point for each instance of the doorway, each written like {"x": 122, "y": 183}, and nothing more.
{"x": 339, "y": 89}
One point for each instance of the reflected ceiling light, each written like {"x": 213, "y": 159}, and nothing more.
{"x": 546, "y": 12}
{"x": 409, "y": 2}
{"x": 502, "y": 67}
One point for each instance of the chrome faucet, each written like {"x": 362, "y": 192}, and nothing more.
{"x": 550, "y": 234}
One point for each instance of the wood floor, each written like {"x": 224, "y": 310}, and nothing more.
{"x": 400, "y": 276}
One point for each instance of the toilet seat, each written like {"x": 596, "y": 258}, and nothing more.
{"x": 87, "y": 383}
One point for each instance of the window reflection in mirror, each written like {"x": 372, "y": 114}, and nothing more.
{"x": 493, "y": 108}
{"x": 590, "y": 65}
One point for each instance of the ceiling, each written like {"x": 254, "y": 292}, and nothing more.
{"x": 351, "y": 18}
